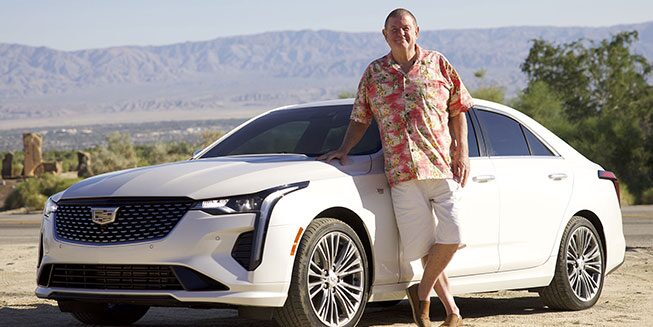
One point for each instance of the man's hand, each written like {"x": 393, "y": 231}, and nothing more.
{"x": 459, "y": 150}
{"x": 460, "y": 166}
{"x": 339, "y": 154}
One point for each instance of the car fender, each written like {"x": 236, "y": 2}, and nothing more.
{"x": 291, "y": 216}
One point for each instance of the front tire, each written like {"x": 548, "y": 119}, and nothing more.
{"x": 109, "y": 314}
{"x": 580, "y": 268}
{"x": 329, "y": 285}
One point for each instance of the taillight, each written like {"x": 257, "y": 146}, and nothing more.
{"x": 604, "y": 174}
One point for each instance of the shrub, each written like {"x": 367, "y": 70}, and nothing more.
{"x": 647, "y": 196}
{"x": 162, "y": 153}
{"x": 627, "y": 198}
{"x": 33, "y": 192}
{"x": 118, "y": 155}
{"x": 208, "y": 137}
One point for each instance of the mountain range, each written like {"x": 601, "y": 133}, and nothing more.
{"x": 240, "y": 75}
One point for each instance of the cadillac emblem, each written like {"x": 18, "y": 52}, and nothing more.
{"x": 103, "y": 216}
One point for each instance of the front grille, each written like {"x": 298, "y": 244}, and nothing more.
{"x": 120, "y": 277}
{"x": 127, "y": 277}
{"x": 136, "y": 220}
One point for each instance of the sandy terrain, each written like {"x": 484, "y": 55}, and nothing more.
{"x": 627, "y": 298}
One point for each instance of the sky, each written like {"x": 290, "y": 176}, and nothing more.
{"x": 85, "y": 24}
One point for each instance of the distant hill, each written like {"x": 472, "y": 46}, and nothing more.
{"x": 187, "y": 80}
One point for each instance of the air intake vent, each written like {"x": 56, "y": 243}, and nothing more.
{"x": 242, "y": 251}
{"x": 118, "y": 277}
{"x": 127, "y": 277}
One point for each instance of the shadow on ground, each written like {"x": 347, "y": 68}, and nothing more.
{"x": 46, "y": 314}
{"x": 471, "y": 307}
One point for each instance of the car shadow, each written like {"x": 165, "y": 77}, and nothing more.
{"x": 48, "y": 314}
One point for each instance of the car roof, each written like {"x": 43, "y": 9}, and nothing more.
{"x": 350, "y": 101}
{"x": 558, "y": 144}
{"x": 325, "y": 103}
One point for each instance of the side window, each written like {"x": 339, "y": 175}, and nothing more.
{"x": 537, "y": 147}
{"x": 471, "y": 138}
{"x": 503, "y": 135}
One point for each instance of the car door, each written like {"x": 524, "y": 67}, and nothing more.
{"x": 479, "y": 216}
{"x": 479, "y": 212}
{"x": 534, "y": 187}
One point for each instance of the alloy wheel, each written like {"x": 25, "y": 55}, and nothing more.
{"x": 584, "y": 264}
{"x": 335, "y": 279}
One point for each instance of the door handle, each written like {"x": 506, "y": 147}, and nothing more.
{"x": 483, "y": 178}
{"x": 558, "y": 176}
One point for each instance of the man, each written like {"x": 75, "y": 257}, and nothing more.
{"x": 419, "y": 103}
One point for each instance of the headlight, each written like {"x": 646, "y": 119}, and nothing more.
{"x": 50, "y": 208}
{"x": 231, "y": 205}
{"x": 245, "y": 203}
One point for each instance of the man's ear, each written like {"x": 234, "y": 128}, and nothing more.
{"x": 417, "y": 31}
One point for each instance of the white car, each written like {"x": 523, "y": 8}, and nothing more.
{"x": 255, "y": 222}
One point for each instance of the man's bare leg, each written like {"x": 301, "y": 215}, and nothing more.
{"x": 443, "y": 290}
{"x": 437, "y": 259}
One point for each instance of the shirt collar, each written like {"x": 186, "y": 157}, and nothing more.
{"x": 390, "y": 61}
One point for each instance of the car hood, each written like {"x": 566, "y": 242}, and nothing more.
{"x": 205, "y": 178}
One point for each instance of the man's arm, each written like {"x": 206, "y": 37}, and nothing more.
{"x": 460, "y": 150}
{"x": 354, "y": 134}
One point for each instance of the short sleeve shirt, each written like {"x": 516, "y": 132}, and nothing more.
{"x": 412, "y": 110}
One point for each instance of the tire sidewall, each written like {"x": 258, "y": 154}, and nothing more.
{"x": 304, "y": 252}
{"x": 561, "y": 268}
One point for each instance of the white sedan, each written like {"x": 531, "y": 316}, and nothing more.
{"x": 255, "y": 222}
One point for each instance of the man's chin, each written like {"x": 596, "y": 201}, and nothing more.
{"x": 402, "y": 45}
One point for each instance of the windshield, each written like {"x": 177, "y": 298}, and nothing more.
{"x": 308, "y": 131}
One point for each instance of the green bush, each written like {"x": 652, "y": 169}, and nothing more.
{"x": 627, "y": 198}
{"x": 68, "y": 158}
{"x": 119, "y": 154}
{"x": 33, "y": 192}
{"x": 647, "y": 196}
{"x": 163, "y": 152}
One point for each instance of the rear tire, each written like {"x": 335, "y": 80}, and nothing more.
{"x": 109, "y": 314}
{"x": 580, "y": 268}
{"x": 329, "y": 285}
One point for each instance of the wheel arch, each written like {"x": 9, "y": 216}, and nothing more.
{"x": 596, "y": 222}
{"x": 350, "y": 218}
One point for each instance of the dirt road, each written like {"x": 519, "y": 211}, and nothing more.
{"x": 627, "y": 298}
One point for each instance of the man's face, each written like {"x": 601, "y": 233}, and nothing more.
{"x": 401, "y": 33}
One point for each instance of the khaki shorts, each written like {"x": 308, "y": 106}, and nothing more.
{"x": 426, "y": 213}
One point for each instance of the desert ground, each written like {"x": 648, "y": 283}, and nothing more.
{"x": 627, "y": 298}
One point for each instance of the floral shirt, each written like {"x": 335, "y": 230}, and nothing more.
{"x": 412, "y": 110}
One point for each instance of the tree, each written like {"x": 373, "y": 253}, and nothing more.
{"x": 488, "y": 90}
{"x": 605, "y": 102}
{"x": 346, "y": 95}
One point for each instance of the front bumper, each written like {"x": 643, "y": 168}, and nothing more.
{"x": 201, "y": 242}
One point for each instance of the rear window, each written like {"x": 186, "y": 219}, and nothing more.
{"x": 503, "y": 135}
